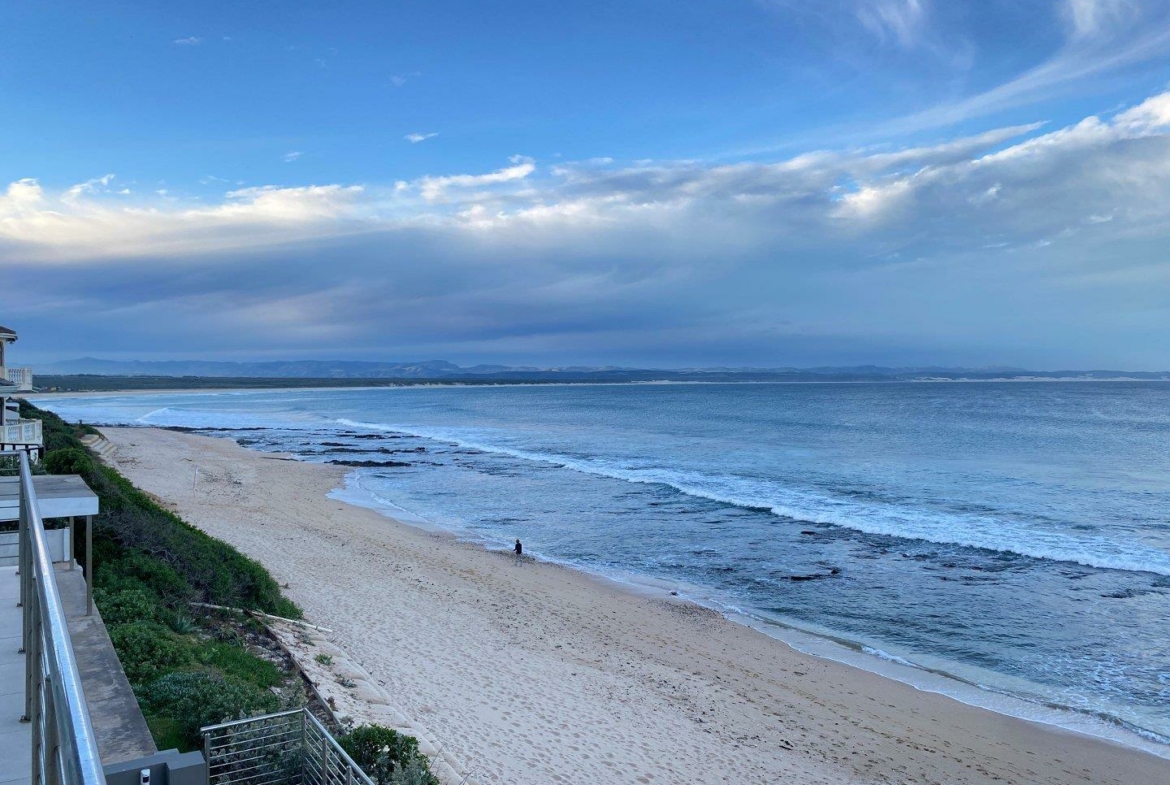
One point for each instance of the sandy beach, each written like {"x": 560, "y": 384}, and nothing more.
{"x": 531, "y": 673}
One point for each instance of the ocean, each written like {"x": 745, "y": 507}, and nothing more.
{"x": 1005, "y": 543}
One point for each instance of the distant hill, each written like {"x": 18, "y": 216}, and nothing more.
{"x": 350, "y": 372}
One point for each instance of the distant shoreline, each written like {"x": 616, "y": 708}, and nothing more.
{"x": 49, "y": 385}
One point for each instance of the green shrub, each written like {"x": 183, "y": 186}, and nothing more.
{"x": 387, "y": 755}
{"x": 69, "y": 460}
{"x": 193, "y": 700}
{"x": 234, "y": 660}
{"x": 126, "y": 606}
{"x": 147, "y": 650}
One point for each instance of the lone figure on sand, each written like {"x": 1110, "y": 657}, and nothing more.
{"x": 519, "y": 548}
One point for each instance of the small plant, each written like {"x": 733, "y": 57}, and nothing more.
{"x": 346, "y": 682}
{"x": 184, "y": 625}
{"x": 324, "y": 659}
{"x": 389, "y": 757}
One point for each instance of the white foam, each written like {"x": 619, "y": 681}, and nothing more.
{"x": 993, "y": 534}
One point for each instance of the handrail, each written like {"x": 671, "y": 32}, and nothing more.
{"x": 64, "y": 748}
{"x": 266, "y": 749}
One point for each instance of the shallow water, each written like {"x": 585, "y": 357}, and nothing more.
{"x": 1015, "y": 536}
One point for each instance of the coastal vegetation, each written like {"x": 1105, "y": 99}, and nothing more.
{"x": 192, "y": 665}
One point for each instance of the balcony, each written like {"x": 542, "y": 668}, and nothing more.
{"x": 22, "y": 433}
{"x": 21, "y": 377}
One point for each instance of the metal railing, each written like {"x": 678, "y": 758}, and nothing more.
{"x": 64, "y": 749}
{"x": 286, "y": 748}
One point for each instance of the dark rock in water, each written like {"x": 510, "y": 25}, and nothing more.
{"x": 816, "y": 576}
{"x": 369, "y": 464}
{"x": 807, "y": 531}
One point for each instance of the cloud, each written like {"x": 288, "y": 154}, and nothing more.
{"x": 416, "y": 138}
{"x": 289, "y": 157}
{"x": 189, "y": 41}
{"x": 1104, "y": 36}
{"x": 900, "y": 21}
{"x": 436, "y": 188}
{"x": 96, "y": 185}
{"x": 1088, "y": 19}
{"x": 1048, "y": 233}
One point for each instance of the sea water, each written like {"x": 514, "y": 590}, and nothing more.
{"x": 1011, "y": 538}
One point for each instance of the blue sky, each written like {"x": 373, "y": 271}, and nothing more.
{"x": 747, "y": 182}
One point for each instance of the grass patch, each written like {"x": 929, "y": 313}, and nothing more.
{"x": 231, "y": 659}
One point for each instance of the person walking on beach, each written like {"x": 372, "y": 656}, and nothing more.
{"x": 519, "y": 548}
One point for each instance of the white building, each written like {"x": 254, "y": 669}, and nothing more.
{"x": 22, "y": 378}
{"x": 16, "y": 433}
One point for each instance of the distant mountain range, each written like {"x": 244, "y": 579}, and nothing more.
{"x": 441, "y": 370}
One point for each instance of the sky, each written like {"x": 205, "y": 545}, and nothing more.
{"x": 655, "y": 183}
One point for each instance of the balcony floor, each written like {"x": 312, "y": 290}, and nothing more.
{"x": 15, "y": 736}
{"x": 118, "y": 724}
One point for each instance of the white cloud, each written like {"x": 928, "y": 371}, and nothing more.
{"x": 96, "y": 185}
{"x": 1091, "y": 18}
{"x": 1017, "y": 231}
{"x": 435, "y": 188}
{"x": 289, "y": 157}
{"x": 416, "y": 138}
{"x": 992, "y": 189}
{"x": 901, "y": 21}
{"x": 189, "y": 41}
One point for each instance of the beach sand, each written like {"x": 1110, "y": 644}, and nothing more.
{"x": 531, "y": 673}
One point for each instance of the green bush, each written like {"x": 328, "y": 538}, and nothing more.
{"x": 193, "y": 700}
{"x": 147, "y": 650}
{"x": 126, "y": 606}
{"x": 388, "y": 756}
{"x": 69, "y": 460}
{"x": 123, "y": 569}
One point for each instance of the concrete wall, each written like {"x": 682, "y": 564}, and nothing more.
{"x": 60, "y": 548}
{"x": 166, "y": 768}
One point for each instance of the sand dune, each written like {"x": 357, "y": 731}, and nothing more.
{"x": 535, "y": 674}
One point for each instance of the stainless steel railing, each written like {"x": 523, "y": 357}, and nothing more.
{"x": 286, "y": 748}
{"x": 64, "y": 749}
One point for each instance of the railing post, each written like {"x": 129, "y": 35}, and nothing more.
{"x": 304, "y": 746}
{"x": 52, "y": 740}
{"x": 89, "y": 565}
{"x": 325, "y": 759}
{"x": 206, "y": 752}
{"x": 36, "y": 691}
